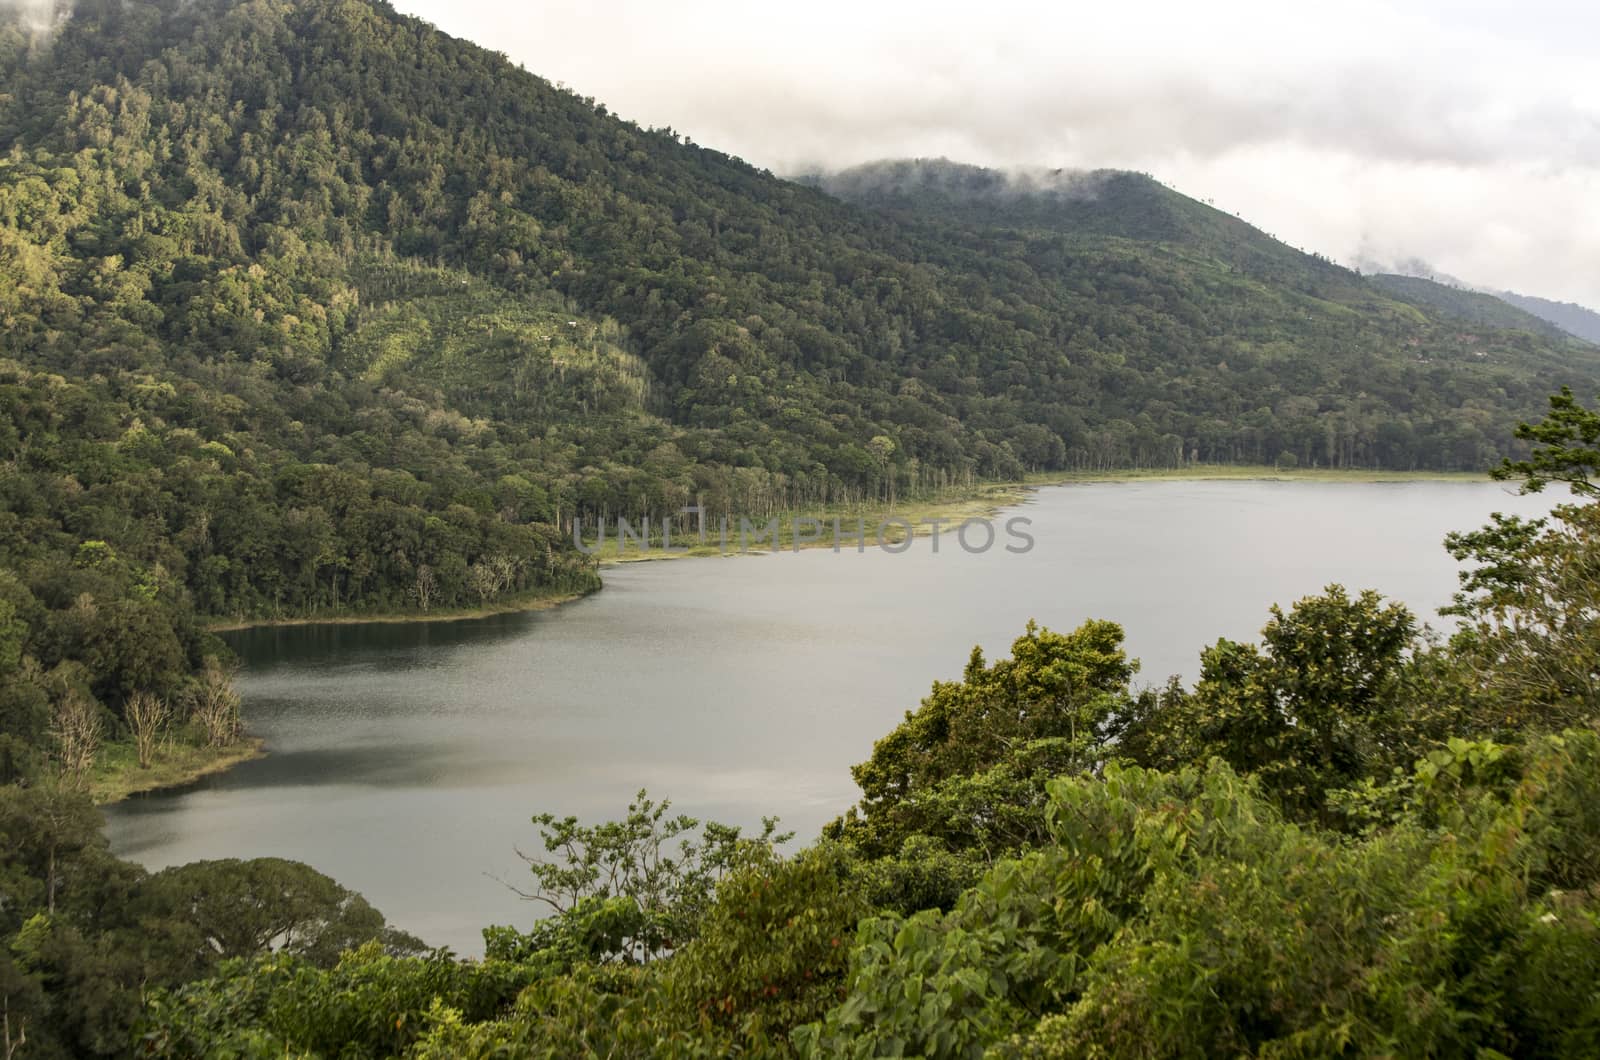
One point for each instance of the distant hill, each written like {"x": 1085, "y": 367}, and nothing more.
{"x": 1475, "y": 307}
{"x": 1081, "y": 203}
{"x": 1568, "y": 316}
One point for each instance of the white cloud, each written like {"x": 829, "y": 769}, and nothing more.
{"x": 1462, "y": 132}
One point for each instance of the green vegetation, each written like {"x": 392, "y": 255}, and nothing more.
{"x": 814, "y": 528}
{"x": 511, "y": 603}
{"x": 87, "y": 935}
{"x": 310, "y": 311}
{"x": 1351, "y": 838}
{"x": 1473, "y": 307}
{"x": 1570, "y": 317}
{"x": 118, "y": 774}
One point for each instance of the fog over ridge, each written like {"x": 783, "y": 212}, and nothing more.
{"x": 892, "y": 176}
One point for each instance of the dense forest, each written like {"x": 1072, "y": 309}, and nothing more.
{"x": 307, "y": 309}
{"x": 1351, "y": 838}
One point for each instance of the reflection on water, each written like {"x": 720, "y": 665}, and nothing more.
{"x": 375, "y": 646}
{"x": 407, "y": 758}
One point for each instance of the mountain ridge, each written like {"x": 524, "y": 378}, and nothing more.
{"x": 1570, "y": 318}
{"x": 716, "y": 271}
{"x": 1484, "y": 308}
{"x": 1104, "y": 202}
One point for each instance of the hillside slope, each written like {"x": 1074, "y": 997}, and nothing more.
{"x": 1474, "y": 307}
{"x": 1105, "y": 202}
{"x": 1570, "y": 317}
{"x": 288, "y": 147}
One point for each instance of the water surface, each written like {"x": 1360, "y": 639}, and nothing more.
{"x": 406, "y": 759}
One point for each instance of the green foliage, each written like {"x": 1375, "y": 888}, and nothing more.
{"x": 967, "y": 766}
{"x": 945, "y": 984}
{"x": 244, "y": 908}
{"x": 1567, "y": 449}
{"x": 1529, "y": 639}
{"x": 607, "y": 1010}
{"x": 85, "y": 937}
{"x": 627, "y": 890}
{"x": 925, "y": 874}
{"x": 370, "y": 1004}
{"x": 772, "y": 953}
{"x": 1319, "y": 705}
{"x": 1180, "y": 914}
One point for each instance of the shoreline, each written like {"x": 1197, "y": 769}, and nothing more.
{"x": 983, "y": 502}
{"x": 989, "y": 499}
{"x": 460, "y": 614}
{"x": 1252, "y": 473}
{"x": 119, "y": 783}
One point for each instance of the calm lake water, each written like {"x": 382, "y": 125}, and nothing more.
{"x": 406, "y": 760}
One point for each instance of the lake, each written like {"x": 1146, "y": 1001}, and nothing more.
{"x": 406, "y": 759}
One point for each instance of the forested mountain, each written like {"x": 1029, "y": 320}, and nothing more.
{"x": 1570, "y": 317}
{"x": 308, "y": 307}
{"x": 1475, "y": 307}
{"x": 215, "y": 162}
{"x": 1105, "y": 203}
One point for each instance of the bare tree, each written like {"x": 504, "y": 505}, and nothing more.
{"x": 426, "y": 587}
{"x": 216, "y": 704}
{"x": 493, "y": 575}
{"x": 12, "y": 1045}
{"x": 75, "y": 726}
{"x": 481, "y": 577}
{"x": 506, "y": 569}
{"x": 147, "y": 715}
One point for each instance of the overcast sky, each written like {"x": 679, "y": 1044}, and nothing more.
{"x": 1465, "y": 133}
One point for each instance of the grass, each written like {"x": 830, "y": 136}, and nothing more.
{"x": 117, "y": 773}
